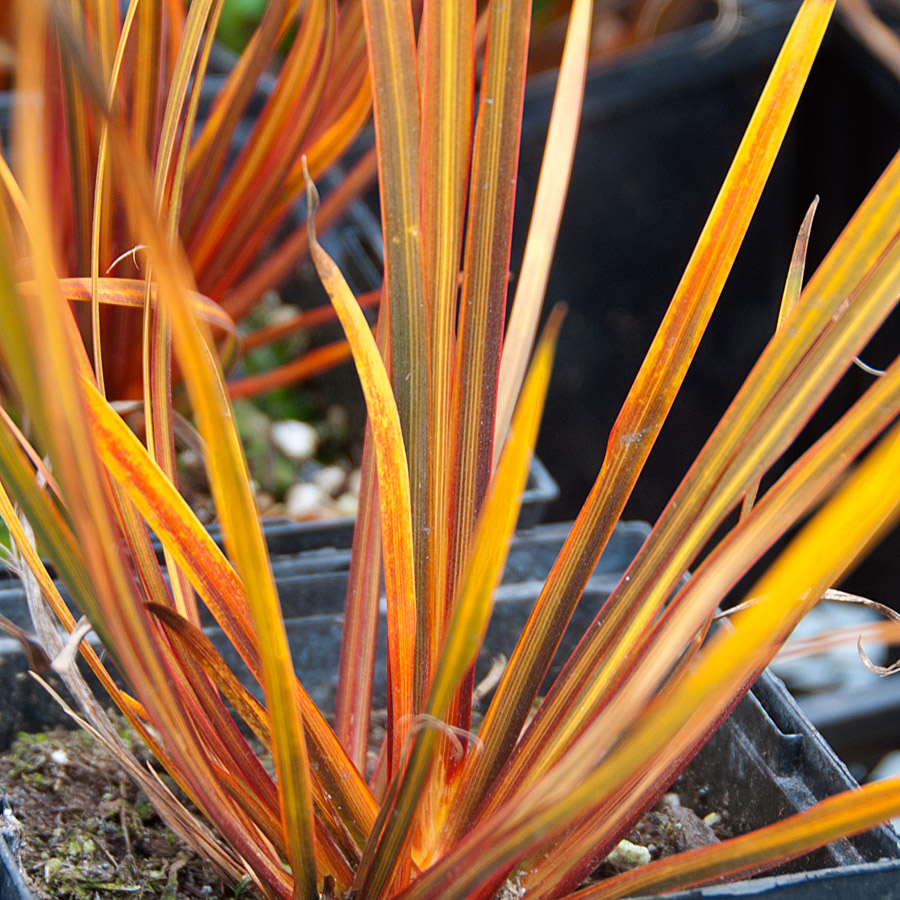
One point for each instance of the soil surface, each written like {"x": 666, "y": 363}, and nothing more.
{"x": 88, "y": 833}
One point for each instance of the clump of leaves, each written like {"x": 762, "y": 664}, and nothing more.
{"x": 533, "y": 802}
{"x": 226, "y": 176}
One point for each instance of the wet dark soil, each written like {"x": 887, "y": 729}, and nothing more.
{"x": 88, "y": 833}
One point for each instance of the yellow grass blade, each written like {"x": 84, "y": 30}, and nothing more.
{"x": 803, "y": 361}
{"x": 742, "y": 857}
{"x": 393, "y": 484}
{"x": 394, "y": 831}
{"x": 867, "y": 504}
{"x": 791, "y": 294}
{"x": 553, "y": 185}
{"x": 647, "y": 405}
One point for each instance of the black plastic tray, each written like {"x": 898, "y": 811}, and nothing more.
{"x": 764, "y": 763}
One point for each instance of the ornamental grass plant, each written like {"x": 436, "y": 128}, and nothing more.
{"x": 531, "y": 801}
{"x": 223, "y": 155}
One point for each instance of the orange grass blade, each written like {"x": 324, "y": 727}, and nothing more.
{"x": 199, "y": 646}
{"x": 815, "y": 559}
{"x": 216, "y": 581}
{"x": 168, "y": 514}
{"x": 304, "y": 320}
{"x": 312, "y": 363}
{"x": 45, "y": 582}
{"x": 40, "y": 467}
{"x": 482, "y": 303}
{"x": 690, "y": 612}
{"x": 356, "y": 666}
{"x": 804, "y": 360}
{"x": 279, "y": 264}
{"x": 209, "y": 150}
{"x": 393, "y": 484}
{"x": 393, "y": 833}
{"x": 844, "y": 815}
{"x": 68, "y": 562}
{"x": 243, "y": 535}
{"x": 447, "y": 53}
{"x": 553, "y": 185}
{"x": 254, "y": 182}
{"x": 827, "y": 546}
{"x": 202, "y": 16}
{"x": 390, "y": 39}
{"x": 129, "y": 293}
{"x": 44, "y": 323}
{"x": 145, "y": 91}
{"x": 78, "y": 129}
{"x": 792, "y": 288}
{"x": 472, "y": 610}
{"x": 649, "y": 399}
{"x": 101, "y": 185}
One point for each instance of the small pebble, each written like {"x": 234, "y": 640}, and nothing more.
{"x": 628, "y": 856}
{"x": 264, "y": 501}
{"x": 190, "y": 459}
{"x": 304, "y": 501}
{"x": 279, "y": 314}
{"x": 336, "y": 417}
{"x": 60, "y": 757}
{"x": 296, "y": 440}
{"x": 330, "y": 479}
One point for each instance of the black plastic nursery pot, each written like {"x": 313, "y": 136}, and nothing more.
{"x": 12, "y": 882}
{"x": 763, "y": 764}
{"x": 659, "y": 129}
{"x": 286, "y": 537}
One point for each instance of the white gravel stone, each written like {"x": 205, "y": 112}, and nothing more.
{"x": 347, "y": 504}
{"x": 628, "y": 856}
{"x": 330, "y": 479}
{"x": 296, "y": 440}
{"x": 304, "y": 501}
